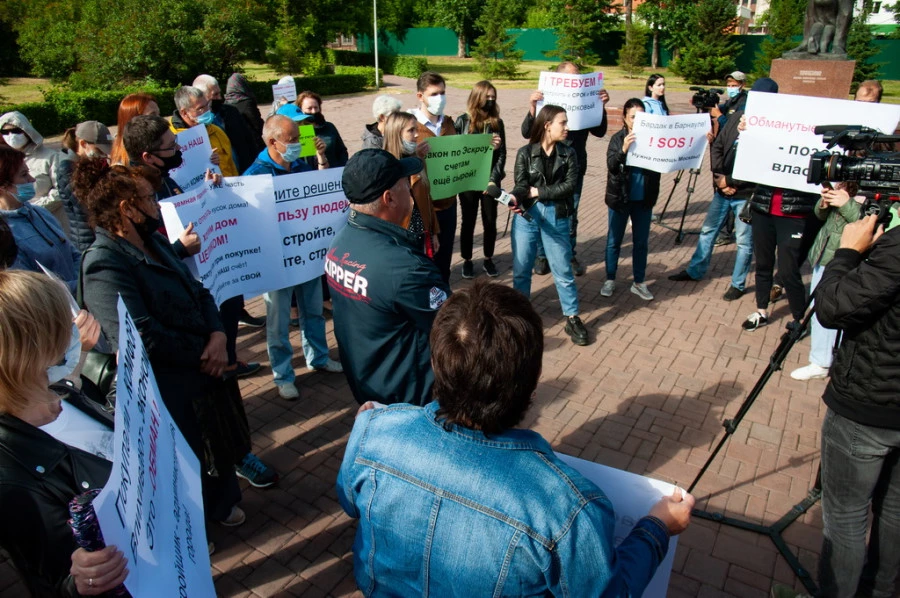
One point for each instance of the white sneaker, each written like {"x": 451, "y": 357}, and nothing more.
{"x": 288, "y": 392}
{"x": 640, "y": 289}
{"x": 331, "y": 366}
{"x": 608, "y": 287}
{"x": 810, "y": 372}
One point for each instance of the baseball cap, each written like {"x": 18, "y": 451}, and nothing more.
{"x": 371, "y": 172}
{"x": 97, "y": 133}
{"x": 737, "y": 76}
{"x": 293, "y": 112}
{"x": 765, "y": 84}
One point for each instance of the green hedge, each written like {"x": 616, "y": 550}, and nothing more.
{"x": 324, "y": 85}
{"x": 368, "y": 71}
{"x": 402, "y": 66}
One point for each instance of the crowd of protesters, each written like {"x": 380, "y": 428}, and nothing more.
{"x": 89, "y": 214}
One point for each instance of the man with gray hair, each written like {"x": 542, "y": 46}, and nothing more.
{"x": 244, "y": 144}
{"x": 191, "y": 109}
{"x": 382, "y": 107}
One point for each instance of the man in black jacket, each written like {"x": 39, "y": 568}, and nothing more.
{"x": 244, "y": 144}
{"x": 860, "y": 294}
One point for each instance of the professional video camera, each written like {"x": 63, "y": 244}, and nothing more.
{"x": 704, "y": 99}
{"x": 877, "y": 174}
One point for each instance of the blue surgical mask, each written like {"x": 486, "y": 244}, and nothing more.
{"x": 57, "y": 372}
{"x": 291, "y": 152}
{"x": 207, "y": 118}
{"x": 409, "y": 147}
{"x": 25, "y": 192}
{"x": 732, "y": 91}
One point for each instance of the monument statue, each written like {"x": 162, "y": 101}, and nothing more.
{"x": 825, "y": 30}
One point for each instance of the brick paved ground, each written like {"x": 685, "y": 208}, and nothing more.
{"x": 648, "y": 395}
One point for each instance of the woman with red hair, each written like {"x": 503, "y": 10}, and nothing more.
{"x": 130, "y": 106}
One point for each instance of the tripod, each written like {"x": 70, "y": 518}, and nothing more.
{"x": 693, "y": 175}
{"x": 788, "y": 340}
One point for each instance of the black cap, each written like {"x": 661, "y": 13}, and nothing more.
{"x": 766, "y": 85}
{"x": 371, "y": 172}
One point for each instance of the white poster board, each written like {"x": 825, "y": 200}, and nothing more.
{"x": 195, "y": 152}
{"x": 288, "y": 91}
{"x": 632, "y": 496}
{"x": 78, "y": 429}
{"x": 238, "y": 232}
{"x": 668, "y": 143}
{"x": 578, "y": 94}
{"x": 152, "y": 508}
{"x": 777, "y": 144}
{"x": 311, "y": 209}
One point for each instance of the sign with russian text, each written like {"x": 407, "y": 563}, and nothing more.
{"x": 195, "y": 152}
{"x": 458, "y": 163}
{"x": 307, "y": 140}
{"x": 578, "y": 94}
{"x": 152, "y": 507}
{"x": 288, "y": 91}
{"x": 632, "y": 496}
{"x": 776, "y": 146}
{"x": 311, "y": 209}
{"x": 668, "y": 143}
{"x": 237, "y": 228}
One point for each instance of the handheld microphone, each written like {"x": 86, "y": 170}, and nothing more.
{"x": 506, "y": 199}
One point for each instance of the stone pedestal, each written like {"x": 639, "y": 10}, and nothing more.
{"x": 819, "y": 78}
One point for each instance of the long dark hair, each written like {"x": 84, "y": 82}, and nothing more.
{"x": 546, "y": 115}
{"x": 650, "y": 81}
{"x": 632, "y": 103}
{"x": 479, "y": 117}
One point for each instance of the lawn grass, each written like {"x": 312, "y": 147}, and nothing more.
{"x": 18, "y": 90}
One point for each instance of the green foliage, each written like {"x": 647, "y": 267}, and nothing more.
{"x": 324, "y": 85}
{"x": 495, "y": 51}
{"x": 367, "y": 71}
{"x": 669, "y": 22}
{"x": 350, "y": 58}
{"x": 405, "y": 66}
{"x": 579, "y": 23}
{"x": 459, "y": 16}
{"x": 711, "y": 53}
{"x": 539, "y": 16}
{"x": 633, "y": 54}
{"x": 784, "y": 20}
{"x": 861, "y": 49}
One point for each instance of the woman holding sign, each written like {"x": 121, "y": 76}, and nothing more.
{"x": 546, "y": 174}
{"x": 631, "y": 194}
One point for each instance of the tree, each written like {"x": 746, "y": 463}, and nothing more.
{"x": 459, "y": 16}
{"x": 711, "y": 52}
{"x": 633, "y": 54}
{"x": 784, "y": 20}
{"x": 578, "y": 24}
{"x": 860, "y": 47}
{"x": 495, "y": 51}
{"x": 670, "y": 25}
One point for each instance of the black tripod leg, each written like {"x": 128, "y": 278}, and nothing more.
{"x": 671, "y": 193}
{"x": 693, "y": 175}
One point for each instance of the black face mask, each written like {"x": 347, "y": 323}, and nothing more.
{"x": 147, "y": 227}
{"x": 172, "y": 162}
{"x": 216, "y": 105}
{"x": 489, "y": 105}
{"x": 318, "y": 119}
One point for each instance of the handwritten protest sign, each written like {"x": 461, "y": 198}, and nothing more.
{"x": 668, "y": 143}
{"x": 632, "y": 496}
{"x": 238, "y": 232}
{"x": 311, "y": 209}
{"x": 307, "y": 141}
{"x": 195, "y": 151}
{"x": 458, "y": 163}
{"x": 777, "y": 144}
{"x": 578, "y": 94}
{"x": 288, "y": 91}
{"x": 152, "y": 508}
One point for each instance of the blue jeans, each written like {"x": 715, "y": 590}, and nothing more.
{"x": 640, "y": 232}
{"x": 821, "y": 340}
{"x": 859, "y": 467}
{"x": 715, "y": 217}
{"x": 554, "y": 233}
{"x": 312, "y": 328}
{"x": 573, "y": 221}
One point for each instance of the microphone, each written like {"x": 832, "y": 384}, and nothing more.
{"x": 506, "y": 199}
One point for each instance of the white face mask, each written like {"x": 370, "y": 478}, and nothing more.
{"x": 436, "y": 104}
{"x": 55, "y": 373}
{"x": 409, "y": 147}
{"x": 16, "y": 140}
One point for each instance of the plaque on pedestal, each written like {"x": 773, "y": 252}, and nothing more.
{"x": 819, "y": 77}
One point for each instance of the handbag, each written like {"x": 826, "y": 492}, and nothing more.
{"x": 746, "y": 213}
{"x": 98, "y": 372}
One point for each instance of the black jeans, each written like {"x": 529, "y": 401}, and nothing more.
{"x": 782, "y": 237}
{"x": 447, "y": 221}
{"x": 468, "y": 204}
{"x": 230, "y": 313}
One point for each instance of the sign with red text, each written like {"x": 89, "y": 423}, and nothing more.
{"x": 238, "y": 235}
{"x": 195, "y": 153}
{"x": 579, "y": 95}
{"x": 776, "y": 146}
{"x": 152, "y": 505}
{"x": 311, "y": 209}
{"x": 668, "y": 143}
{"x": 286, "y": 91}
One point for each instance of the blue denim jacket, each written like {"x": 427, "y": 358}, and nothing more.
{"x": 455, "y": 513}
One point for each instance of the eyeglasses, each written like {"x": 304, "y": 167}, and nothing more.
{"x": 200, "y": 110}
{"x": 150, "y": 197}
{"x": 171, "y": 148}
{"x": 13, "y": 131}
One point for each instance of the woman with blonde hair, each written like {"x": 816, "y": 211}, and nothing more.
{"x": 36, "y": 331}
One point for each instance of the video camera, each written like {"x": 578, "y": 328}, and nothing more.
{"x": 878, "y": 174}
{"x": 704, "y": 99}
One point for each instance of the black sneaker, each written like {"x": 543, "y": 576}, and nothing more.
{"x": 577, "y": 268}
{"x": 754, "y": 321}
{"x": 490, "y": 268}
{"x": 541, "y": 266}
{"x": 253, "y": 322}
{"x": 576, "y": 330}
{"x": 256, "y": 472}
{"x": 682, "y": 276}
{"x": 732, "y": 293}
{"x": 468, "y": 269}
{"x": 242, "y": 369}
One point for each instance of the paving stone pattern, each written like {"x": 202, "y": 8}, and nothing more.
{"x": 648, "y": 395}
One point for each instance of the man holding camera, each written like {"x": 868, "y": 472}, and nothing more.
{"x": 860, "y": 294}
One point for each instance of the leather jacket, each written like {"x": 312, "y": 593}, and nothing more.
{"x": 558, "y": 190}
{"x": 792, "y": 202}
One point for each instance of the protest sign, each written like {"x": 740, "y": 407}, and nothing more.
{"x": 288, "y": 91}
{"x": 307, "y": 141}
{"x": 311, "y": 209}
{"x": 777, "y": 144}
{"x": 152, "y": 507}
{"x": 195, "y": 152}
{"x": 579, "y": 95}
{"x": 237, "y": 228}
{"x": 668, "y": 143}
{"x": 458, "y": 163}
{"x": 632, "y": 496}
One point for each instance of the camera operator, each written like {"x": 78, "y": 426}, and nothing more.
{"x": 860, "y": 294}
{"x": 737, "y": 97}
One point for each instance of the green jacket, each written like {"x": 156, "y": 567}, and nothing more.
{"x": 829, "y": 237}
